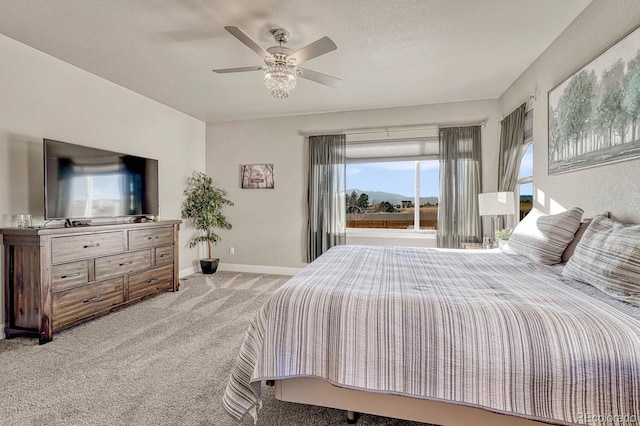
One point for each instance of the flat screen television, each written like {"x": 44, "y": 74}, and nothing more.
{"x": 86, "y": 183}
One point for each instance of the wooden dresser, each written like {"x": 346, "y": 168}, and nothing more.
{"x": 56, "y": 278}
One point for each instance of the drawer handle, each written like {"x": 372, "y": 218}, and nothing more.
{"x": 125, "y": 263}
{"x": 75, "y": 274}
{"x": 91, "y": 245}
{"x": 152, "y": 281}
{"x": 163, "y": 255}
{"x": 93, "y": 299}
{"x": 155, "y": 237}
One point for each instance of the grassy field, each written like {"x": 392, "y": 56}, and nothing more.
{"x": 404, "y": 218}
{"x": 423, "y": 210}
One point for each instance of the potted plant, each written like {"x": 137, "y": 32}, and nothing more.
{"x": 203, "y": 206}
{"x": 502, "y": 235}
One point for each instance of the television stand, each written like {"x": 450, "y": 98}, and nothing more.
{"x": 73, "y": 223}
{"x": 55, "y": 278}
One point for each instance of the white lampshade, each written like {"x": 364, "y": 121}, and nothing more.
{"x": 496, "y": 203}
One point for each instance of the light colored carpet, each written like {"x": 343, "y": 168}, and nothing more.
{"x": 164, "y": 361}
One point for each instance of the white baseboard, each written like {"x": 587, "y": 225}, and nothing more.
{"x": 258, "y": 269}
{"x": 187, "y": 271}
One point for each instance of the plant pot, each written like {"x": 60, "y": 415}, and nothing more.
{"x": 502, "y": 243}
{"x": 209, "y": 266}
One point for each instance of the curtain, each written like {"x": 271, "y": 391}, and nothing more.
{"x": 511, "y": 139}
{"x": 326, "y": 203}
{"x": 528, "y": 127}
{"x": 460, "y": 161}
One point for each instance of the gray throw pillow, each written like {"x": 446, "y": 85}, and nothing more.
{"x": 608, "y": 258}
{"x": 543, "y": 238}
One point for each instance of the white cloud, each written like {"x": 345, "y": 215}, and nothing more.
{"x": 352, "y": 171}
{"x": 526, "y": 166}
{"x": 430, "y": 165}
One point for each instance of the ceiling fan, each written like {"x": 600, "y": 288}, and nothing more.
{"x": 282, "y": 65}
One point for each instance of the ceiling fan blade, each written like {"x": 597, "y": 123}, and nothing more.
{"x": 241, "y": 69}
{"x": 318, "y": 77}
{"x": 248, "y": 41}
{"x": 315, "y": 49}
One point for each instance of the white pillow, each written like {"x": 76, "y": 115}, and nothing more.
{"x": 608, "y": 258}
{"x": 543, "y": 238}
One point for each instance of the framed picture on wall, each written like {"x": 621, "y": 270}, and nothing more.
{"x": 257, "y": 176}
{"x": 594, "y": 115}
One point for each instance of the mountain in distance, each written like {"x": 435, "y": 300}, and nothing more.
{"x": 376, "y": 197}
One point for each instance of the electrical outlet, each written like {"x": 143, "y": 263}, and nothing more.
{"x": 232, "y": 250}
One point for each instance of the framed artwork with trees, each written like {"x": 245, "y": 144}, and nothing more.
{"x": 257, "y": 176}
{"x": 594, "y": 115}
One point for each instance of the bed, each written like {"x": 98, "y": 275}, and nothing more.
{"x": 442, "y": 336}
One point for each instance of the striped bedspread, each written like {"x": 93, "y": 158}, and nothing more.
{"x": 475, "y": 327}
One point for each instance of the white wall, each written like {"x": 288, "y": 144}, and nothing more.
{"x": 269, "y": 225}
{"x": 43, "y": 97}
{"x": 611, "y": 187}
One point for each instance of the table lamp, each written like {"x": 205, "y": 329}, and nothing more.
{"x": 496, "y": 204}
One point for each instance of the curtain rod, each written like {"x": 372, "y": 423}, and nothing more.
{"x": 530, "y": 101}
{"x": 390, "y": 129}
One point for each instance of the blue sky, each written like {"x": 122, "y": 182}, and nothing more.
{"x": 397, "y": 177}
{"x": 526, "y": 169}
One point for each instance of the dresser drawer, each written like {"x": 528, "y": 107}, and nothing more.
{"x": 65, "y": 249}
{"x": 71, "y": 305}
{"x": 120, "y": 264}
{"x": 164, "y": 255}
{"x": 144, "y": 238}
{"x": 69, "y": 275}
{"x": 149, "y": 282}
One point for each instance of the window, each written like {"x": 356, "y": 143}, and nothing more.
{"x": 525, "y": 176}
{"x": 393, "y": 184}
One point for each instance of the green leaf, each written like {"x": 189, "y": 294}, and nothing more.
{"x": 202, "y": 206}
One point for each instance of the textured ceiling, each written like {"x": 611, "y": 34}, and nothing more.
{"x": 390, "y": 53}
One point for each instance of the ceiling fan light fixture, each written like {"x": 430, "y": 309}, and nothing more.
{"x": 282, "y": 66}
{"x": 280, "y": 79}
